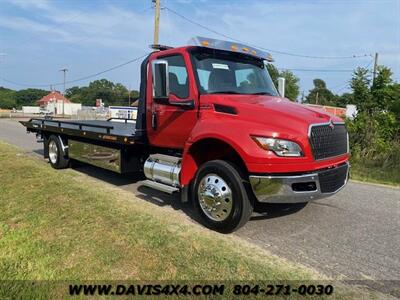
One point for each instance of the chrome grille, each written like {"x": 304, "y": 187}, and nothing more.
{"x": 327, "y": 140}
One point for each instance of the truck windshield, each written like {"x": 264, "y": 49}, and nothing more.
{"x": 223, "y": 72}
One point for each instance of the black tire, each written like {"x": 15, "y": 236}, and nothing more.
{"x": 60, "y": 161}
{"x": 241, "y": 206}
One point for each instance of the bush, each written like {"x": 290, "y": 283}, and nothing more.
{"x": 375, "y": 146}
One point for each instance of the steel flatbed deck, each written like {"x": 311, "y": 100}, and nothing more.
{"x": 120, "y": 131}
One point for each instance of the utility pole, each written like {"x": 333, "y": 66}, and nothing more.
{"x": 375, "y": 68}
{"x": 156, "y": 21}
{"x": 1, "y": 59}
{"x": 65, "y": 76}
{"x": 129, "y": 95}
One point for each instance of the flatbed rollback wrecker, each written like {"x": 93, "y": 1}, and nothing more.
{"x": 212, "y": 126}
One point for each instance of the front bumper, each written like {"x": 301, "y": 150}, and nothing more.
{"x": 300, "y": 188}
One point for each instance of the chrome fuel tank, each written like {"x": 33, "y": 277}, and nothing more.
{"x": 163, "y": 168}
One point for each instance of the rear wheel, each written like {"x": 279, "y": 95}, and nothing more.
{"x": 57, "y": 157}
{"x": 221, "y": 197}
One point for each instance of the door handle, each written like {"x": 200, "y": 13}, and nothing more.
{"x": 154, "y": 120}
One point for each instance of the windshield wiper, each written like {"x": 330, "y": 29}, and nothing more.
{"x": 225, "y": 92}
{"x": 263, "y": 93}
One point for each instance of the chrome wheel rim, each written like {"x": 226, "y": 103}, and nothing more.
{"x": 53, "y": 152}
{"x": 215, "y": 197}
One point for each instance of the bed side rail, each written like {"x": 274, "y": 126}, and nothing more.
{"x": 30, "y": 124}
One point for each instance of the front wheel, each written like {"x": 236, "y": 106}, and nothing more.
{"x": 221, "y": 197}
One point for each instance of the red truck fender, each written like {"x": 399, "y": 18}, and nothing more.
{"x": 205, "y": 148}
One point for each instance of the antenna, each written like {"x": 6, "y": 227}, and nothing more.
{"x": 65, "y": 70}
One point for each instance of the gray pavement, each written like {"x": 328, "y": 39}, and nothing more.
{"x": 353, "y": 235}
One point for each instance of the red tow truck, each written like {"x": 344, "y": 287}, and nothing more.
{"x": 212, "y": 126}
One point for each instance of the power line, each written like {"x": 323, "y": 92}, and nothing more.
{"x": 263, "y": 48}
{"x": 342, "y": 86}
{"x": 77, "y": 79}
{"x": 24, "y": 84}
{"x": 108, "y": 70}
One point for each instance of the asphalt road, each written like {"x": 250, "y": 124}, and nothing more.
{"x": 352, "y": 235}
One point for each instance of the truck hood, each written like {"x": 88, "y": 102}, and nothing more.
{"x": 272, "y": 112}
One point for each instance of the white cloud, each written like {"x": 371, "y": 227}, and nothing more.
{"x": 24, "y": 24}
{"x": 109, "y": 27}
{"x": 27, "y": 4}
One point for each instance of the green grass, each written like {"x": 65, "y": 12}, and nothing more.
{"x": 61, "y": 225}
{"x": 367, "y": 172}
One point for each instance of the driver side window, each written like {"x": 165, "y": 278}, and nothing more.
{"x": 178, "y": 76}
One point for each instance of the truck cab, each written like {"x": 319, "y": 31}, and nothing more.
{"x": 212, "y": 126}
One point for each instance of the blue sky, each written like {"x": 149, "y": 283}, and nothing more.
{"x": 40, "y": 37}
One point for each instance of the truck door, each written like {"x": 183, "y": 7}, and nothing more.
{"x": 170, "y": 125}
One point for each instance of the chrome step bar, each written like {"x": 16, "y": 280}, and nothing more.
{"x": 160, "y": 186}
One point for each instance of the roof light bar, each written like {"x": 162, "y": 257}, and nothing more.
{"x": 230, "y": 46}
{"x": 160, "y": 47}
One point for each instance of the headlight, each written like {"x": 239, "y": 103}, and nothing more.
{"x": 278, "y": 146}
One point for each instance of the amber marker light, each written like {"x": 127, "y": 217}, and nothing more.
{"x": 258, "y": 142}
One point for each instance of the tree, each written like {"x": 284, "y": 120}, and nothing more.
{"x": 361, "y": 91}
{"x": 16, "y": 99}
{"x": 274, "y": 73}
{"x": 393, "y": 94}
{"x": 320, "y": 94}
{"x": 375, "y": 132}
{"x": 344, "y": 99}
{"x": 29, "y": 96}
{"x": 71, "y": 92}
{"x": 292, "y": 89}
{"x": 7, "y": 98}
{"x": 111, "y": 93}
{"x": 380, "y": 88}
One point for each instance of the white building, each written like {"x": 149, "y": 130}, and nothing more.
{"x": 57, "y": 104}
{"x": 123, "y": 112}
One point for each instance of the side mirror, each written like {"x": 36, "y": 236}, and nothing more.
{"x": 160, "y": 79}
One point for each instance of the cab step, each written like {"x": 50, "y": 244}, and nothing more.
{"x": 160, "y": 187}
